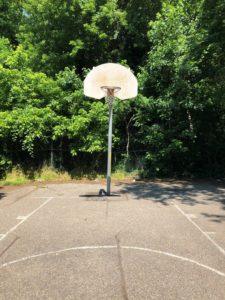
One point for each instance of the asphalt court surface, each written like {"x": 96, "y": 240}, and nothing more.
{"x": 149, "y": 241}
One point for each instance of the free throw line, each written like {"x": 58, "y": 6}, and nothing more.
{"x": 25, "y": 219}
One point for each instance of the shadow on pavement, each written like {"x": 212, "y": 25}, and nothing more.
{"x": 98, "y": 196}
{"x": 186, "y": 193}
{"x": 215, "y": 217}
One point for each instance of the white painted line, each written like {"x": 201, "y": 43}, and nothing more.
{"x": 21, "y": 217}
{"x": 2, "y": 235}
{"x": 27, "y": 217}
{"x": 191, "y": 216}
{"x": 204, "y": 233}
{"x": 113, "y": 247}
{"x": 55, "y": 252}
{"x": 176, "y": 256}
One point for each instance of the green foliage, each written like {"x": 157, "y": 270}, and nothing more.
{"x": 5, "y": 165}
{"x": 179, "y": 74}
{"x": 10, "y": 17}
{"x": 138, "y": 13}
{"x": 22, "y": 88}
{"x": 27, "y": 126}
{"x": 88, "y": 128}
{"x": 5, "y": 50}
{"x": 57, "y": 34}
{"x": 176, "y": 48}
{"x": 165, "y": 76}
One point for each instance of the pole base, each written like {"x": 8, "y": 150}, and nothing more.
{"x": 102, "y": 192}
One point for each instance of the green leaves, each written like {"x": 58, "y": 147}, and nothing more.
{"x": 10, "y": 17}
{"x": 5, "y": 165}
{"x": 27, "y": 126}
{"x": 89, "y": 129}
{"x": 5, "y": 50}
{"x": 22, "y": 88}
{"x": 177, "y": 121}
{"x": 59, "y": 34}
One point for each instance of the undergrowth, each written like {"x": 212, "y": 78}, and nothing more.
{"x": 47, "y": 174}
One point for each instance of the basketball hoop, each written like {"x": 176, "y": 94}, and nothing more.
{"x": 110, "y": 92}
{"x": 110, "y": 81}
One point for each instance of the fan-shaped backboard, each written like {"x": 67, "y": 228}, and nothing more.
{"x": 110, "y": 76}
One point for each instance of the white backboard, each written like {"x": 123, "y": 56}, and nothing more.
{"x": 112, "y": 76}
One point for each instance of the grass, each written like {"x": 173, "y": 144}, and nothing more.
{"x": 48, "y": 174}
{"x": 17, "y": 177}
{"x": 121, "y": 175}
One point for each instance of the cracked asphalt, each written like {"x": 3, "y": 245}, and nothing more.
{"x": 155, "y": 240}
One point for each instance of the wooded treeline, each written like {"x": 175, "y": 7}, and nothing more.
{"x": 176, "y": 48}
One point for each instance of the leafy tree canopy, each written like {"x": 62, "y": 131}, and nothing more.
{"x": 175, "y": 127}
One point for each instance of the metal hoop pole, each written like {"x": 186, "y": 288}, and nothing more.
{"x": 110, "y": 101}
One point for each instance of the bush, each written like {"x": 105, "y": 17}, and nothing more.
{"x": 5, "y": 165}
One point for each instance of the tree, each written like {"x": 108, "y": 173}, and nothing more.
{"x": 10, "y": 16}
{"x": 207, "y": 53}
{"x": 138, "y": 15}
{"x": 57, "y": 34}
{"x": 177, "y": 120}
{"x": 167, "y": 77}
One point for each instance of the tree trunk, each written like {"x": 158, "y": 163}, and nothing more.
{"x": 52, "y": 156}
{"x": 190, "y": 120}
{"x": 128, "y": 136}
{"x": 61, "y": 154}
